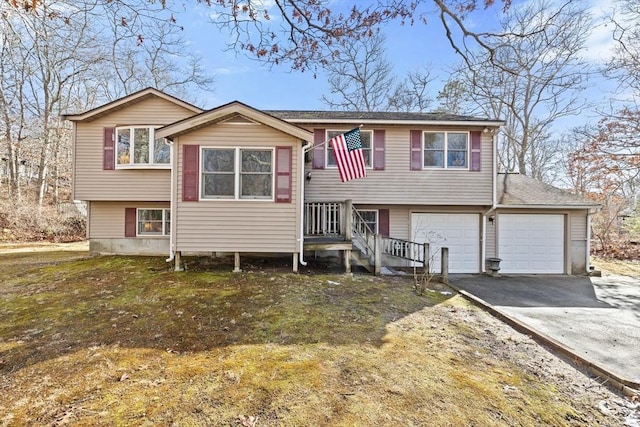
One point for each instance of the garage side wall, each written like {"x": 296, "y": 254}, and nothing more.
{"x": 578, "y": 246}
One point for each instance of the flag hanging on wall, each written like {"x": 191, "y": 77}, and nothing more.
{"x": 347, "y": 148}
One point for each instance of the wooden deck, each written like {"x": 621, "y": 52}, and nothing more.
{"x": 326, "y": 243}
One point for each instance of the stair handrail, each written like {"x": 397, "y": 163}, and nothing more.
{"x": 405, "y": 249}
{"x": 363, "y": 234}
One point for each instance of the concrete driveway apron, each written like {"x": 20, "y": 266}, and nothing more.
{"x": 598, "y": 318}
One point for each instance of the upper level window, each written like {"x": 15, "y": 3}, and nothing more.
{"x": 365, "y": 135}
{"x": 237, "y": 173}
{"x": 447, "y": 150}
{"x": 153, "y": 222}
{"x": 137, "y": 146}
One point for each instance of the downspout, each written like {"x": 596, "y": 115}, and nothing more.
{"x": 171, "y": 204}
{"x": 494, "y": 199}
{"x": 305, "y": 149}
{"x": 588, "y": 254}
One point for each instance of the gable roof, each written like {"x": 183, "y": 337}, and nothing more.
{"x": 229, "y": 111}
{"x": 384, "y": 117}
{"x": 126, "y": 101}
{"x": 520, "y": 191}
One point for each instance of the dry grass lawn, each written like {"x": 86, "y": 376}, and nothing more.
{"x": 619, "y": 267}
{"x": 125, "y": 341}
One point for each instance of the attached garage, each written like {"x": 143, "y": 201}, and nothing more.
{"x": 458, "y": 232}
{"x": 531, "y": 243}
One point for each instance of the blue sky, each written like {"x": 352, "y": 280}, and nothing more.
{"x": 408, "y": 48}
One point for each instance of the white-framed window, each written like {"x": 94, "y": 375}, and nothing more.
{"x": 366, "y": 136}
{"x": 153, "y": 222}
{"x": 370, "y": 218}
{"x": 136, "y": 146}
{"x": 237, "y": 173}
{"x": 447, "y": 150}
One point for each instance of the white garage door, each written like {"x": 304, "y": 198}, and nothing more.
{"x": 531, "y": 243}
{"x": 458, "y": 232}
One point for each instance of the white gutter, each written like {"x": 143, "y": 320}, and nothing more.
{"x": 546, "y": 206}
{"x": 588, "y": 260}
{"x": 305, "y": 149}
{"x": 171, "y": 204}
{"x": 494, "y": 147}
{"x": 484, "y": 123}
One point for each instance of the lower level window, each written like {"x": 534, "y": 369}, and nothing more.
{"x": 370, "y": 218}
{"x": 154, "y": 222}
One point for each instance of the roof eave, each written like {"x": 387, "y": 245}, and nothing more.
{"x": 124, "y": 101}
{"x": 494, "y": 123}
{"x": 546, "y": 206}
{"x": 214, "y": 116}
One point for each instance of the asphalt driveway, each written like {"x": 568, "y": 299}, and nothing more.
{"x": 597, "y": 318}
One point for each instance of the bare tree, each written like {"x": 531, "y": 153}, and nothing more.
{"x": 452, "y": 98}
{"x": 360, "y": 78}
{"x": 158, "y": 59}
{"x": 58, "y": 59}
{"x": 302, "y": 33}
{"x": 531, "y": 81}
{"x": 44, "y": 56}
{"x": 625, "y": 63}
{"x": 602, "y": 164}
{"x": 13, "y": 76}
{"x": 412, "y": 93}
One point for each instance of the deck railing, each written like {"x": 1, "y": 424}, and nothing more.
{"x": 324, "y": 218}
{"x": 406, "y": 249}
{"x": 334, "y": 219}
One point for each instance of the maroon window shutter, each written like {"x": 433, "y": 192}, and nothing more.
{"x": 476, "y": 143}
{"x": 383, "y": 222}
{"x": 283, "y": 174}
{"x": 108, "y": 144}
{"x": 190, "y": 160}
{"x": 130, "y": 222}
{"x": 378, "y": 149}
{"x": 318, "y": 148}
{"x": 416, "y": 150}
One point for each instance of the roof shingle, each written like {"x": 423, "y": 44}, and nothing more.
{"x": 520, "y": 190}
{"x": 371, "y": 115}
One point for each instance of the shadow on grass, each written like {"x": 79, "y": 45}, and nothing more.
{"x": 51, "y": 306}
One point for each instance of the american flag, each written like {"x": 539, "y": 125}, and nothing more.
{"x": 347, "y": 148}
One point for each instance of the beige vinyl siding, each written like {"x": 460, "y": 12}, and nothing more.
{"x": 490, "y": 237}
{"x": 238, "y": 225}
{"x": 106, "y": 219}
{"x": 91, "y": 182}
{"x": 578, "y": 245}
{"x": 399, "y": 223}
{"x": 578, "y": 221}
{"x": 398, "y": 184}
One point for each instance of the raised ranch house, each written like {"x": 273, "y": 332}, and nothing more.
{"x": 163, "y": 177}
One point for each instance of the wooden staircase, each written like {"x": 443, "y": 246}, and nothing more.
{"x": 339, "y": 226}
